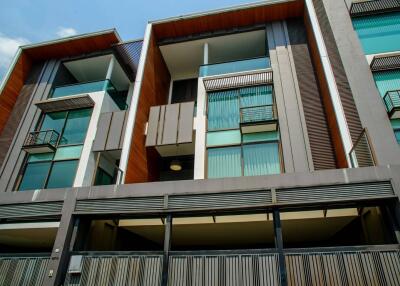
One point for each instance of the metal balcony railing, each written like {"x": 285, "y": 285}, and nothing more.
{"x": 392, "y": 102}
{"x": 257, "y": 114}
{"x": 362, "y": 155}
{"x": 42, "y": 138}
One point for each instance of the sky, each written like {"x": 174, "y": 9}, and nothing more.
{"x": 31, "y": 21}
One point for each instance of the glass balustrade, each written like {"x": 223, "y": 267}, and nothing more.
{"x": 235, "y": 66}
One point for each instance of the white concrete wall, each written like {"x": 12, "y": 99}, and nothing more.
{"x": 200, "y": 124}
{"x": 87, "y": 162}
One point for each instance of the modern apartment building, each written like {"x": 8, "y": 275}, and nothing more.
{"x": 252, "y": 145}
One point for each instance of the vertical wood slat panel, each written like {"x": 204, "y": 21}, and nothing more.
{"x": 22, "y": 270}
{"x": 118, "y": 270}
{"x": 322, "y": 151}
{"x": 344, "y": 268}
{"x": 233, "y": 269}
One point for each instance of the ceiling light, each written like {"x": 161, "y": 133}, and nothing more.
{"x": 175, "y": 165}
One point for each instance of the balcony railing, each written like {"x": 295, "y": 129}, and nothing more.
{"x": 262, "y": 116}
{"x": 392, "y": 103}
{"x": 119, "y": 97}
{"x": 235, "y": 66}
{"x": 361, "y": 155}
{"x": 41, "y": 141}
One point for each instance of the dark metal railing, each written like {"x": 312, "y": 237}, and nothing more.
{"x": 46, "y": 137}
{"x": 392, "y": 100}
{"x": 362, "y": 155}
{"x": 256, "y": 114}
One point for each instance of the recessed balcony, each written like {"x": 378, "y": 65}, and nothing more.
{"x": 260, "y": 118}
{"x": 235, "y": 66}
{"x": 41, "y": 141}
{"x": 392, "y": 103}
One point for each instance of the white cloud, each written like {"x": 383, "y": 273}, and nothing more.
{"x": 8, "y": 48}
{"x": 66, "y": 32}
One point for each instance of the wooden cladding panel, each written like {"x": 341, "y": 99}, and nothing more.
{"x": 142, "y": 163}
{"x": 317, "y": 127}
{"x": 228, "y": 20}
{"x": 326, "y": 99}
{"x": 13, "y": 115}
{"x": 73, "y": 47}
{"x": 346, "y": 96}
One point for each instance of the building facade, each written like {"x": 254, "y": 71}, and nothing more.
{"x": 252, "y": 145}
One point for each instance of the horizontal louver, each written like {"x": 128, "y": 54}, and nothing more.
{"x": 385, "y": 63}
{"x": 373, "y": 6}
{"x": 30, "y": 209}
{"x": 221, "y": 200}
{"x": 238, "y": 81}
{"x": 120, "y": 205}
{"x": 335, "y": 193}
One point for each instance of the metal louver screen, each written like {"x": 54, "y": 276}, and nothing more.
{"x": 129, "y": 53}
{"x": 373, "y": 6}
{"x": 118, "y": 270}
{"x": 234, "y": 269}
{"x": 221, "y": 200}
{"x": 120, "y": 205}
{"x": 335, "y": 193}
{"x": 385, "y": 63}
{"x": 23, "y": 270}
{"x": 238, "y": 81}
{"x": 30, "y": 209}
{"x": 344, "y": 268}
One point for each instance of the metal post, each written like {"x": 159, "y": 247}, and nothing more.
{"x": 279, "y": 246}
{"x": 167, "y": 247}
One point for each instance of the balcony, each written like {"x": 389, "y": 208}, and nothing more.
{"x": 41, "y": 141}
{"x": 88, "y": 87}
{"x": 392, "y": 103}
{"x": 258, "y": 118}
{"x": 235, "y": 66}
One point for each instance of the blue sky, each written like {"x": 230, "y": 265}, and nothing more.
{"x": 32, "y": 21}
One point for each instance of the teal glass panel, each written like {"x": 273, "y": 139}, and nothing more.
{"x": 397, "y": 134}
{"x": 223, "y": 110}
{"x": 103, "y": 178}
{"x": 54, "y": 121}
{"x": 76, "y": 127}
{"x": 79, "y": 88}
{"x": 220, "y": 138}
{"x": 378, "y": 33}
{"x": 62, "y": 174}
{"x": 224, "y": 162}
{"x": 35, "y": 176}
{"x": 395, "y": 123}
{"x": 387, "y": 81}
{"x": 40, "y": 157}
{"x": 69, "y": 152}
{"x": 235, "y": 66}
{"x": 119, "y": 97}
{"x": 260, "y": 136}
{"x": 256, "y": 96}
{"x": 261, "y": 159}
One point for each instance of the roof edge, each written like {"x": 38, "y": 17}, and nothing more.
{"x": 221, "y": 10}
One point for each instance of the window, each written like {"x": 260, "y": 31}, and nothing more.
{"x": 231, "y": 154}
{"x": 103, "y": 178}
{"x": 396, "y": 128}
{"x": 379, "y": 33}
{"x": 257, "y": 154}
{"x": 387, "y": 81}
{"x": 57, "y": 170}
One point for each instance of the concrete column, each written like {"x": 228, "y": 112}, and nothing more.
{"x": 59, "y": 258}
{"x": 205, "y": 54}
{"x": 370, "y": 108}
{"x": 200, "y": 124}
{"x": 290, "y": 120}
